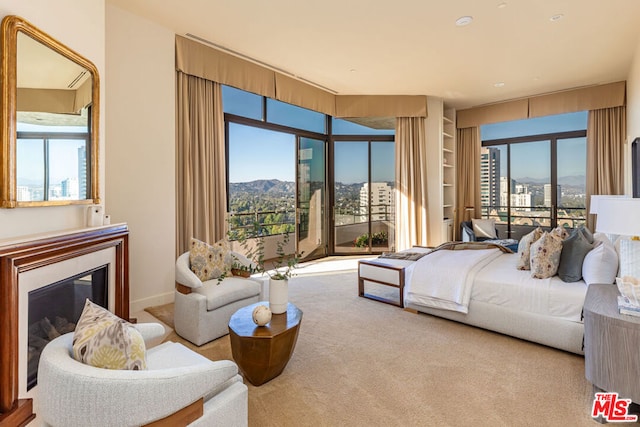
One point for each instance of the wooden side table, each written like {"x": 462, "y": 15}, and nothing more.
{"x": 611, "y": 344}
{"x": 262, "y": 352}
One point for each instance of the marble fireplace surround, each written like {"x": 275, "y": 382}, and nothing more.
{"x": 25, "y": 264}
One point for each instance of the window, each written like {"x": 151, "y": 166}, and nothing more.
{"x": 533, "y": 173}
{"x": 278, "y": 169}
{"x": 261, "y": 179}
{"x": 52, "y": 160}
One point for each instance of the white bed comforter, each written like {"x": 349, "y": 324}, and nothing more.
{"x": 444, "y": 279}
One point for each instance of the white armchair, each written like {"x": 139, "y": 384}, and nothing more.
{"x": 203, "y": 309}
{"x": 178, "y": 384}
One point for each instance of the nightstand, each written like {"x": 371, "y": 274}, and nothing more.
{"x": 611, "y": 344}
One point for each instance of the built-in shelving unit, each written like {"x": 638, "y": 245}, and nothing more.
{"x": 441, "y": 165}
{"x": 448, "y": 171}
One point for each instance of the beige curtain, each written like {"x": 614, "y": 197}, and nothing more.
{"x": 467, "y": 176}
{"x": 606, "y": 135}
{"x": 201, "y": 191}
{"x": 411, "y": 182}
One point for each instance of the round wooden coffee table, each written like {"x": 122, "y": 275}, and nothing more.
{"x": 262, "y": 352}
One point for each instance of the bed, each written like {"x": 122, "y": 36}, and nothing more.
{"x": 488, "y": 291}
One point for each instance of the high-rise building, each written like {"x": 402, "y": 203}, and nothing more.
{"x": 69, "y": 188}
{"x": 547, "y": 195}
{"x": 490, "y": 176}
{"x": 82, "y": 173}
{"x": 382, "y": 201}
{"x": 506, "y": 189}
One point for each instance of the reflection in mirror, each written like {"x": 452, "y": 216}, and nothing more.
{"x": 50, "y": 148}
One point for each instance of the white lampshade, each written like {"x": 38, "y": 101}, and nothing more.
{"x": 619, "y": 216}
{"x": 596, "y": 198}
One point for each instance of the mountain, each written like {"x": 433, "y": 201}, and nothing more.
{"x": 570, "y": 180}
{"x": 269, "y": 186}
{"x": 573, "y": 180}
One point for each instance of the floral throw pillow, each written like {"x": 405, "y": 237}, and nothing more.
{"x": 561, "y": 232}
{"x": 545, "y": 256}
{"x": 104, "y": 340}
{"x": 524, "y": 249}
{"x": 210, "y": 261}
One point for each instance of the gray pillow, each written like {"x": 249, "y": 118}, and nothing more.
{"x": 574, "y": 249}
{"x": 587, "y": 233}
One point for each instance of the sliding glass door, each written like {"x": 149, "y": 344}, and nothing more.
{"x": 363, "y": 196}
{"x": 310, "y": 204}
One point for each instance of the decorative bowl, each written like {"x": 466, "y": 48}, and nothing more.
{"x": 629, "y": 287}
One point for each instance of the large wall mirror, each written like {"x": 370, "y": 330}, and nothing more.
{"x": 49, "y": 120}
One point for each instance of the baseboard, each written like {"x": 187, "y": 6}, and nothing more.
{"x": 141, "y": 304}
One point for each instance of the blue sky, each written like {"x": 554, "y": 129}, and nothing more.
{"x": 264, "y": 154}
{"x": 531, "y": 159}
{"x": 62, "y": 152}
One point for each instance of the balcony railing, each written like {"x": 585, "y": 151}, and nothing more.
{"x": 260, "y": 223}
{"x": 522, "y": 220}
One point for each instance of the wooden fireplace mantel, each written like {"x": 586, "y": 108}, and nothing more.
{"x": 30, "y": 253}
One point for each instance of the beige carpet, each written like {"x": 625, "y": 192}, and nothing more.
{"x": 359, "y": 362}
{"x": 163, "y": 313}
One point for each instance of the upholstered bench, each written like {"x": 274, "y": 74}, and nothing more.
{"x": 388, "y": 270}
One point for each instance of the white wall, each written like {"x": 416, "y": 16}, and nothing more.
{"x": 633, "y": 113}
{"x": 140, "y": 170}
{"x": 78, "y": 24}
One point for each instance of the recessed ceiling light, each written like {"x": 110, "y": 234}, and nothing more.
{"x": 556, "y": 17}
{"x": 464, "y": 20}
{"x": 502, "y": 5}
{"x": 498, "y": 84}
{"x": 353, "y": 70}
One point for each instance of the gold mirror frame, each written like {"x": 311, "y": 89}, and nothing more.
{"x": 11, "y": 26}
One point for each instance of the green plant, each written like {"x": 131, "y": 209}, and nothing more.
{"x": 377, "y": 239}
{"x": 254, "y": 252}
{"x": 283, "y": 264}
{"x": 251, "y": 241}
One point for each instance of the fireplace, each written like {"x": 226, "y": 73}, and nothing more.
{"x": 54, "y": 310}
{"x": 30, "y": 270}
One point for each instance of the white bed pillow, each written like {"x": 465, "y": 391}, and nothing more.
{"x": 484, "y": 228}
{"x": 601, "y": 263}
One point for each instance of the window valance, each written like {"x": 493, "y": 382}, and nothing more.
{"x": 197, "y": 59}
{"x": 568, "y": 101}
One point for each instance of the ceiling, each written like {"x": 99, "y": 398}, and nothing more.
{"x": 414, "y": 47}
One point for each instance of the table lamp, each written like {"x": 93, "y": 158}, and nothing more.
{"x": 596, "y": 198}
{"x": 621, "y": 216}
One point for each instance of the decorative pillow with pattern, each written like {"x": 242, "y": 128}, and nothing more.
{"x": 545, "y": 256}
{"x": 210, "y": 261}
{"x": 524, "y": 249}
{"x": 561, "y": 232}
{"x": 104, "y": 340}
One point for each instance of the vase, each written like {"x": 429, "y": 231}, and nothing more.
{"x": 278, "y": 295}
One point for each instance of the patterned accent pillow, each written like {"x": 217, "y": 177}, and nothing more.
{"x": 104, "y": 340}
{"x": 545, "y": 256}
{"x": 210, "y": 261}
{"x": 561, "y": 232}
{"x": 524, "y": 249}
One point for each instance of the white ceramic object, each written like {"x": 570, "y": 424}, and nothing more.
{"x": 629, "y": 287}
{"x": 278, "y": 295}
{"x": 261, "y": 315}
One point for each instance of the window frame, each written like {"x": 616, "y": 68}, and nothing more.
{"x": 553, "y": 139}
{"x": 45, "y": 137}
